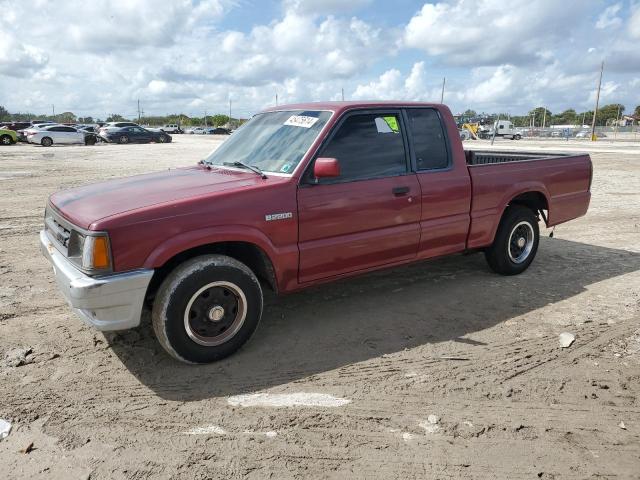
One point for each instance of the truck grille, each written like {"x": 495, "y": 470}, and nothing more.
{"x": 57, "y": 230}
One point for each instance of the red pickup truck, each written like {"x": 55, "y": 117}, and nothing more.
{"x": 301, "y": 194}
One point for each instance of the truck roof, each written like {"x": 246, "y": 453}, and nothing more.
{"x": 339, "y": 107}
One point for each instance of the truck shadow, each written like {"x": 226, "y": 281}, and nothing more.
{"x": 339, "y": 324}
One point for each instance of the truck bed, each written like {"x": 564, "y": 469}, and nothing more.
{"x": 480, "y": 157}
{"x": 562, "y": 179}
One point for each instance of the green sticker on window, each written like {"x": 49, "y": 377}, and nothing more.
{"x": 393, "y": 123}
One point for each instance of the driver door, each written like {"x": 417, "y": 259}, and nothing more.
{"x": 369, "y": 215}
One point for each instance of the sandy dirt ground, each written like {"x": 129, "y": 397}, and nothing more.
{"x": 437, "y": 370}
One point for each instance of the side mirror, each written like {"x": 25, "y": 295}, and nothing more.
{"x": 326, "y": 168}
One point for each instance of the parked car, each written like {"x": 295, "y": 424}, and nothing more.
{"x": 15, "y": 126}
{"x": 60, "y": 135}
{"x": 22, "y": 134}
{"x": 218, "y": 131}
{"x": 7, "y": 137}
{"x": 42, "y": 123}
{"x": 587, "y": 134}
{"x": 301, "y": 195}
{"x": 135, "y": 135}
{"x": 172, "y": 128}
{"x": 196, "y": 131}
{"x": 115, "y": 125}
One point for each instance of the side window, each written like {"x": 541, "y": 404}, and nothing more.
{"x": 429, "y": 142}
{"x": 56, "y": 129}
{"x": 368, "y": 146}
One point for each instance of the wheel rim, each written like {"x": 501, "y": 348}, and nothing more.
{"x": 215, "y": 313}
{"x": 124, "y": 139}
{"x": 161, "y": 139}
{"x": 6, "y": 140}
{"x": 520, "y": 242}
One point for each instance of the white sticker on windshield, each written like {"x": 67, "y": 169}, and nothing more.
{"x": 301, "y": 121}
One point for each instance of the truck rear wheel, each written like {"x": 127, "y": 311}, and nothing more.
{"x": 207, "y": 308}
{"x": 516, "y": 241}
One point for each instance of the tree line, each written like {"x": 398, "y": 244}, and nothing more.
{"x": 216, "y": 120}
{"x": 607, "y": 115}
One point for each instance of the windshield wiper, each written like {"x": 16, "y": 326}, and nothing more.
{"x": 253, "y": 168}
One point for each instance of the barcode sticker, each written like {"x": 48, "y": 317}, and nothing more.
{"x": 301, "y": 121}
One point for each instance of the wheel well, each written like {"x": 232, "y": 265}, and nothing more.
{"x": 249, "y": 254}
{"x": 536, "y": 201}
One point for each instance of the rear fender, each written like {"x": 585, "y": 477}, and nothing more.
{"x": 515, "y": 191}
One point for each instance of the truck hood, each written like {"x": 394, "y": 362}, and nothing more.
{"x": 85, "y": 205}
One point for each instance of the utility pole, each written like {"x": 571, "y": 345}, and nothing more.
{"x": 229, "y": 111}
{"x": 444, "y": 80}
{"x": 342, "y": 94}
{"x": 615, "y": 135}
{"x": 495, "y": 129}
{"x": 595, "y": 112}
{"x": 583, "y": 115}
{"x": 544, "y": 116}
{"x": 53, "y": 111}
{"x": 205, "y": 119}
{"x": 276, "y": 99}
{"x": 138, "y": 111}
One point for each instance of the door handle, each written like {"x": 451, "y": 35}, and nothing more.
{"x": 399, "y": 191}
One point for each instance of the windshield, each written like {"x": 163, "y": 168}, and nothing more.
{"x": 272, "y": 141}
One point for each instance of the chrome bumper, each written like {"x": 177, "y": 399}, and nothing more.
{"x": 112, "y": 302}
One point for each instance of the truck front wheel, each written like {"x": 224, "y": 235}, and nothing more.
{"x": 516, "y": 241}
{"x": 207, "y": 308}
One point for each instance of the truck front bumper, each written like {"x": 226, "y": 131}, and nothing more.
{"x": 111, "y": 302}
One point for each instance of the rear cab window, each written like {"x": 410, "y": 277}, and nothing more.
{"x": 430, "y": 144}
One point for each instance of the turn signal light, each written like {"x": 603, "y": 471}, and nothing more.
{"x": 95, "y": 253}
{"x": 100, "y": 252}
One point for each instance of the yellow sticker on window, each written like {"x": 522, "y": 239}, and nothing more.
{"x": 393, "y": 123}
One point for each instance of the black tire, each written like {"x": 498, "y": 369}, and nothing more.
{"x": 123, "y": 139}
{"x": 6, "y": 140}
{"x": 518, "y": 137}
{"x": 46, "y": 142}
{"x": 162, "y": 139}
{"x": 197, "y": 328}
{"x": 509, "y": 255}
{"x": 90, "y": 140}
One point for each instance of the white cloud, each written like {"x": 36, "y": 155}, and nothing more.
{"x": 634, "y": 21}
{"x": 324, "y": 7}
{"x": 490, "y": 32}
{"x": 19, "y": 59}
{"x": 609, "y": 18}
{"x": 416, "y": 86}
{"x": 178, "y": 55}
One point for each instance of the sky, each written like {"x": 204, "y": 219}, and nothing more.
{"x": 100, "y": 57}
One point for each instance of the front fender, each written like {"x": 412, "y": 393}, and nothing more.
{"x": 205, "y": 236}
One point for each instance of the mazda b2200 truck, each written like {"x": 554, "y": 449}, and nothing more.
{"x": 301, "y": 194}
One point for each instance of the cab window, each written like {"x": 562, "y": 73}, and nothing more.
{"x": 429, "y": 141}
{"x": 367, "y": 146}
